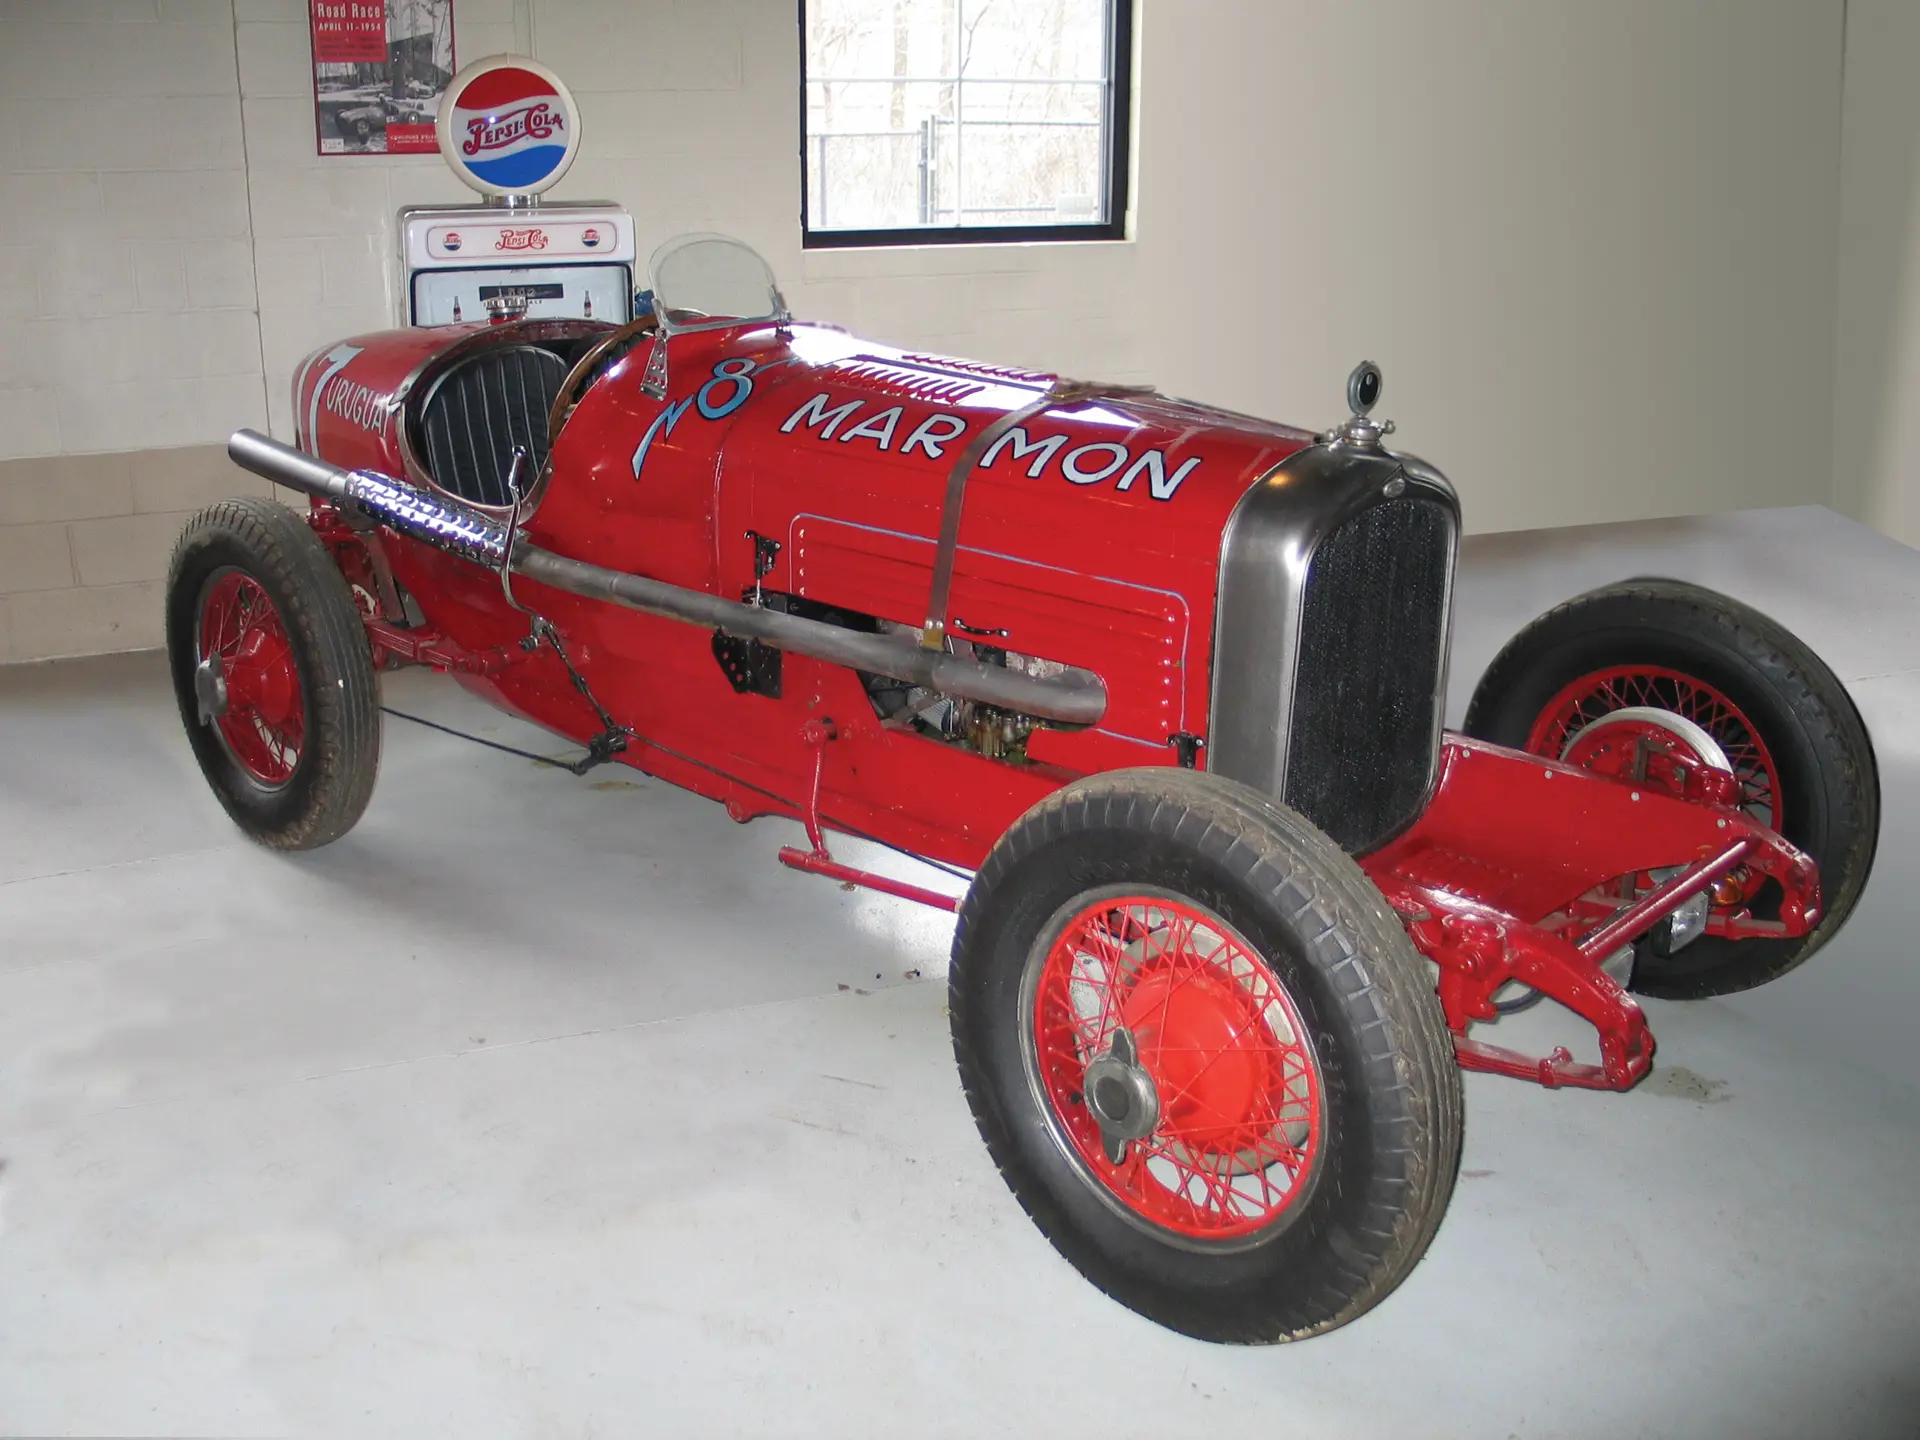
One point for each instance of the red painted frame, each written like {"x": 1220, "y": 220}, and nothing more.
{"x": 1519, "y": 868}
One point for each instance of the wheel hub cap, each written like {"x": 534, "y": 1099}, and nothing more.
{"x": 246, "y": 682}
{"x": 1174, "y": 1069}
{"x": 1121, "y": 1094}
{"x": 210, "y": 689}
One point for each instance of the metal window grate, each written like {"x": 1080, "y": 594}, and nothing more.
{"x": 938, "y": 121}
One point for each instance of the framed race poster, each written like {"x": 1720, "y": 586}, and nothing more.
{"x": 379, "y": 69}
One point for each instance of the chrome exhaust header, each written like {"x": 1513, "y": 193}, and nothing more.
{"x": 448, "y": 525}
{"x": 445, "y": 524}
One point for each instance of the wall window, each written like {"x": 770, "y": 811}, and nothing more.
{"x": 964, "y": 120}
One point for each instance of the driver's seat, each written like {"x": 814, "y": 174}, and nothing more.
{"x": 479, "y": 410}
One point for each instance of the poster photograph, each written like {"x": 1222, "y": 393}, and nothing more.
{"x": 379, "y": 69}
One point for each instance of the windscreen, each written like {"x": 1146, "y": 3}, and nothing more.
{"x": 701, "y": 281}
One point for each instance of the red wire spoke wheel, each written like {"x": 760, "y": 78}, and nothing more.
{"x": 272, "y": 673}
{"x": 1220, "y": 1066}
{"x": 264, "y": 720}
{"x": 1600, "y": 693}
{"x": 1205, "y": 1056}
{"x": 1793, "y": 739}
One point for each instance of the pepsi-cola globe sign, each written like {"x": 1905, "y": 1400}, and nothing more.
{"x": 508, "y": 126}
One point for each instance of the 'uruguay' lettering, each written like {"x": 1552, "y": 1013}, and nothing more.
{"x": 356, "y": 404}
{"x": 816, "y": 415}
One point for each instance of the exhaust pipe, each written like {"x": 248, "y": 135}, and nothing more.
{"x": 448, "y": 525}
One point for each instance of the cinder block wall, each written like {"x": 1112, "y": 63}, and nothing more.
{"x": 1596, "y": 257}
{"x": 84, "y": 541}
{"x": 127, "y": 299}
{"x": 172, "y": 247}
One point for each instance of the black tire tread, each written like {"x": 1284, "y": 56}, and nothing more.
{"x": 1813, "y": 695}
{"x": 316, "y": 605}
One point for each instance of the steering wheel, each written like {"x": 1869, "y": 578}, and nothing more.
{"x": 586, "y": 369}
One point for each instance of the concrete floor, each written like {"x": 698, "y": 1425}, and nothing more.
{"x": 554, "y": 1107}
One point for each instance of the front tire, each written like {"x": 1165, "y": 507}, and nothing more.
{"x": 273, "y": 674}
{"x": 1206, "y": 1058}
{"x": 1781, "y": 718}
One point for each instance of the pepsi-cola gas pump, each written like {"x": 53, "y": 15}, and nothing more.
{"x": 508, "y": 127}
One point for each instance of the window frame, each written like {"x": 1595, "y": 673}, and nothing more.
{"x": 1118, "y": 160}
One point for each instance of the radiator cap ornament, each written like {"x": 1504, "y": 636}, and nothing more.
{"x": 1363, "y": 387}
{"x": 1363, "y": 393}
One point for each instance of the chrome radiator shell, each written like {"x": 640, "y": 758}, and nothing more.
{"x": 1272, "y": 540}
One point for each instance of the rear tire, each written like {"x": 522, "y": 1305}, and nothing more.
{"x": 291, "y": 746}
{"x": 1811, "y": 775}
{"x": 1322, "y": 1152}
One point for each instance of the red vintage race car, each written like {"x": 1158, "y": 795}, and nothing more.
{"x": 1162, "y": 682}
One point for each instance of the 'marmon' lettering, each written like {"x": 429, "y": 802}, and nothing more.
{"x": 1153, "y": 465}
{"x": 1016, "y": 441}
{"x": 1091, "y": 463}
{"x": 816, "y": 415}
{"x": 878, "y": 426}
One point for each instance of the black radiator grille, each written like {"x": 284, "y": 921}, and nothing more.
{"x": 1367, "y": 682}
{"x": 480, "y": 410}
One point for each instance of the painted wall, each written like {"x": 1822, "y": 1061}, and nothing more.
{"x": 172, "y": 247}
{"x": 1592, "y": 244}
{"x": 1876, "y": 450}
